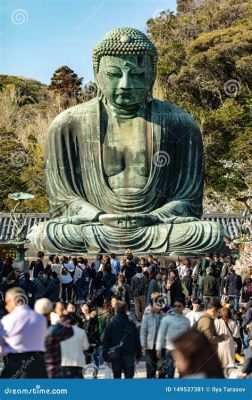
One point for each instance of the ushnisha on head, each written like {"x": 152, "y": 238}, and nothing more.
{"x": 125, "y": 64}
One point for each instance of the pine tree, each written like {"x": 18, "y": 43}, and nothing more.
{"x": 184, "y": 6}
{"x": 66, "y": 82}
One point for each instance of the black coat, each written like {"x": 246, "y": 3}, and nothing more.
{"x": 176, "y": 291}
{"x": 122, "y": 329}
{"x": 53, "y": 290}
{"x": 233, "y": 284}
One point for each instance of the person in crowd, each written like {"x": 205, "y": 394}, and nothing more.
{"x": 152, "y": 266}
{"x": 48, "y": 267}
{"x": 41, "y": 283}
{"x": 122, "y": 290}
{"x": 247, "y": 289}
{"x": 206, "y": 323}
{"x": 81, "y": 279}
{"x": 7, "y": 267}
{"x": 247, "y": 365}
{"x": 187, "y": 283}
{"x": 196, "y": 293}
{"x": 12, "y": 279}
{"x": 210, "y": 288}
{"x": 72, "y": 349}
{"x": 142, "y": 262}
{"x": 97, "y": 263}
{"x": 155, "y": 285}
{"x": 184, "y": 268}
{"x": 121, "y": 343}
{"x": 164, "y": 284}
{"x": 226, "y": 349}
{"x": 109, "y": 281}
{"x": 37, "y": 265}
{"x": 139, "y": 288}
{"x": 22, "y": 338}
{"x": 59, "y": 309}
{"x": 96, "y": 299}
{"x": 52, "y": 291}
{"x": 55, "y": 334}
{"x": 195, "y": 314}
{"x": 129, "y": 268}
{"x": 29, "y": 287}
{"x": 188, "y": 306}
{"x": 73, "y": 261}
{"x": 195, "y": 357}
{"x": 104, "y": 263}
{"x": 176, "y": 291}
{"x": 148, "y": 335}
{"x": 172, "y": 326}
{"x": 246, "y": 321}
{"x": 56, "y": 265}
{"x": 115, "y": 264}
{"x": 66, "y": 280}
{"x": 90, "y": 323}
{"x": 233, "y": 287}
{"x": 217, "y": 266}
{"x": 71, "y": 308}
{"x": 3, "y": 311}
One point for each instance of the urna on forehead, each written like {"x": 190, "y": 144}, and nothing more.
{"x": 125, "y": 41}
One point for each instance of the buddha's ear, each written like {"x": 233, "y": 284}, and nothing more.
{"x": 95, "y": 76}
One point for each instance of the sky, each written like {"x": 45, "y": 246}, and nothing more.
{"x": 39, "y": 36}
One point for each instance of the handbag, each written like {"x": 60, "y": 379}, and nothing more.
{"x": 115, "y": 352}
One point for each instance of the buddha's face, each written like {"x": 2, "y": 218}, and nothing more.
{"x": 125, "y": 80}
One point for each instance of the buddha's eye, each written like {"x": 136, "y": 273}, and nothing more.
{"x": 114, "y": 74}
{"x": 136, "y": 74}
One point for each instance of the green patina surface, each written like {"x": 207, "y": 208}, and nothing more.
{"x": 125, "y": 170}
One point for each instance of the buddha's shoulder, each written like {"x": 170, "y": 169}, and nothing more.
{"x": 75, "y": 113}
{"x": 174, "y": 113}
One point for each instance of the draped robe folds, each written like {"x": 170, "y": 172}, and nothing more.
{"x": 78, "y": 188}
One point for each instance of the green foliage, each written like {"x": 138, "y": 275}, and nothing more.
{"x": 13, "y": 161}
{"x": 205, "y": 68}
{"x": 66, "y": 82}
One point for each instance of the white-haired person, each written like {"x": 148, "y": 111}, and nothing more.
{"x": 22, "y": 338}
{"x": 62, "y": 330}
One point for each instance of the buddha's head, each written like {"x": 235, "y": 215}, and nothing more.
{"x": 125, "y": 67}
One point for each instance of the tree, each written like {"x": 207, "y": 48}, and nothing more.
{"x": 205, "y": 68}
{"x": 66, "y": 82}
{"x": 13, "y": 161}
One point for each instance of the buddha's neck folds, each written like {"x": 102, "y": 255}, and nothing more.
{"x": 123, "y": 113}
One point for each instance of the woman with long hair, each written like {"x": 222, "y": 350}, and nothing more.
{"x": 195, "y": 357}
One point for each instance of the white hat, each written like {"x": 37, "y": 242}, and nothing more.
{"x": 43, "y": 306}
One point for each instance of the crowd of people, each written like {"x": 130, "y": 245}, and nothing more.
{"x": 189, "y": 319}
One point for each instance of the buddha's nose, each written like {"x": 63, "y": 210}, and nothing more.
{"x": 125, "y": 81}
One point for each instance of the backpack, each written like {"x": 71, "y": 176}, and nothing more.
{"x": 248, "y": 288}
{"x": 141, "y": 289}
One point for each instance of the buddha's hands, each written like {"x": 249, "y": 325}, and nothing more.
{"x": 173, "y": 219}
{"x": 128, "y": 221}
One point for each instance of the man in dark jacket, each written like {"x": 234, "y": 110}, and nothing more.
{"x": 122, "y": 333}
{"x": 53, "y": 288}
{"x": 206, "y": 324}
{"x": 41, "y": 283}
{"x": 30, "y": 289}
{"x": 209, "y": 286}
{"x": 233, "y": 287}
{"x": 38, "y": 265}
{"x": 139, "y": 287}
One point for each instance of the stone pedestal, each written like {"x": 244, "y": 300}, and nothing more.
{"x": 20, "y": 262}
